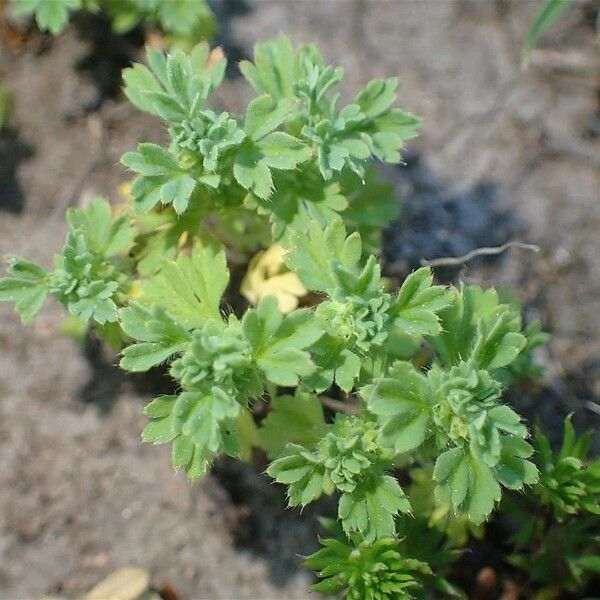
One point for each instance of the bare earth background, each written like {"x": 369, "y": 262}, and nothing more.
{"x": 79, "y": 495}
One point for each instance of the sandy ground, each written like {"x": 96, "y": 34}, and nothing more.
{"x": 79, "y": 494}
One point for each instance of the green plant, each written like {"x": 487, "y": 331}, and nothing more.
{"x": 183, "y": 20}
{"x": 558, "y": 542}
{"x": 546, "y": 16}
{"x": 413, "y": 373}
{"x": 385, "y": 568}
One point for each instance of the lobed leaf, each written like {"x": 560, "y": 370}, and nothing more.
{"x": 468, "y": 484}
{"x": 279, "y": 343}
{"x": 312, "y": 256}
{"x": 371, "y": 509}
{"x": 189, "y": 288}
{"x": 292, "y": 420}
{"x": 161, "y": 179}
{"x": 477, "y": 325}
{"x": 418, "y": 304}
{"x": 199, "y": 425}
{"x": 26, "y": 286}
{"x": 159, "y": 337}
{"x": 402, "y": 404}
{"x": 273, "y": 68}
{"x": 104, "y": 234}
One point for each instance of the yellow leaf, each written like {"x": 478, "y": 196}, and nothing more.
{"x": 125, "y": 584}
{"x": 135, "y": 289}
{"x": 268, "y": 276}
{"x": 124, "y": 189}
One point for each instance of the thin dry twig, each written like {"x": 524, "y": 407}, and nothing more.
{"x": 338, "y": 405}
{"x": 593, "y": 406}
{"x": 485, "y": 251}
{"x": 570, "y": 61}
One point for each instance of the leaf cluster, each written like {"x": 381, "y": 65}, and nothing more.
{"x": 221, "y": 364}
{"x": 92, "y": 275}
{"x": 184, "y": 20}
{"x": 290, "y": 156}
{"x": 558, "y": 541}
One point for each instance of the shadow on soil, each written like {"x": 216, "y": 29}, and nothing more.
{"x": 13, "y": 150}
{"x": 109, "y": 52}
{"x": 436, "y": 220}
{"x": 264, "y": 525}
